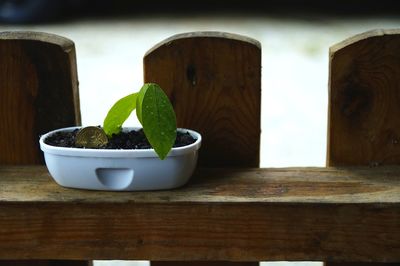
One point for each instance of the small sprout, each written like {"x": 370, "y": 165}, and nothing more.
{"x": 153, "y": 110}
{"x": 118, "y": 114}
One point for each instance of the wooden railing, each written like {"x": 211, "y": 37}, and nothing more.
{"x": 230, "y": 210}
{"x": 344, "y": 214}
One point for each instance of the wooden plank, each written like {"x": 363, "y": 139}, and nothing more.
{"x": 362, "y": 264}
{"x": 214, "y": 82}
{"x": 364, "y": 109}
{"x": 43, "y": 263}
{"x": 347, "y": 185}
{"x": 201, "y": 263}
{"x": 344, "y": 214}
{"x": 364, "y": 128}
{"x": 39, "y": 92}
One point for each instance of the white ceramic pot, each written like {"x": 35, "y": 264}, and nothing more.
{"x": 120, "y": 170}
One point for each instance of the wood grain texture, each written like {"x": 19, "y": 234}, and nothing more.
{"x": 202, "y": 263}
{"x": 347, "y": 185}
{"x": 43, "y": 263}
{"x": 361, "y": 264}
{"x": 340, "y": 214}
{"x": 364, "y": 109}
{"x": 214, "y": 82}
{"x": 38, "y": 92}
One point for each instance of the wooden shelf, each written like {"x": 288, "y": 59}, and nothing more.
{"x": 340, "y": 214}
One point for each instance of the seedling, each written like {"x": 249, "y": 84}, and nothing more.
{"x": 155, "y": 113}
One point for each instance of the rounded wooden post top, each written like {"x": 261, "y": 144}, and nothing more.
{"x": 38, "y": 92}
{"x": 213, "y": 79}
{"x": 205, "y": 34}
{"x": 362, "y": 37}
{"x": 364, "y": 94}
{"x": 50, "y": 38}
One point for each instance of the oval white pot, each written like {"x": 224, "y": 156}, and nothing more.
{"x": 120, "y": 170}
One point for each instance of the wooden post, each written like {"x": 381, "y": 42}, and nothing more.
{"x": 364, "y": 103}
{"x": 38, "y": 93}
{"x": 214, "y": 82}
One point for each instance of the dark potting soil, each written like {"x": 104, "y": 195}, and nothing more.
{"x": 124, "y": 140}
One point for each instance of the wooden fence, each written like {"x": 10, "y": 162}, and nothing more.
{"x": 231, "y": 212}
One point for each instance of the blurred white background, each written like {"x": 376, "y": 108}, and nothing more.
{"x": 294, "y": 71}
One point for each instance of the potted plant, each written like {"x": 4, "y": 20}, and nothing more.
{"x": 156, "y": 156}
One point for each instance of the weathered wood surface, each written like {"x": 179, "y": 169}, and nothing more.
{"x": 349, "y": 214}
{"x": 331, "y": 185}
{"x": 362, "y": 264}
{"x": 364, "y": 125}
{"x": 364, "y": 109}
{"x": 38, "y": 92}
{"x": 203, "y": 263}
{"x": 214, "y": 82}
{"x": 44, "y": 263}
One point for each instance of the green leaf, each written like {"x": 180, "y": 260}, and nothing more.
{"x": 139, "y": 101}
{"x": 158, "y": 120}
{"x": 118, "y": 113}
